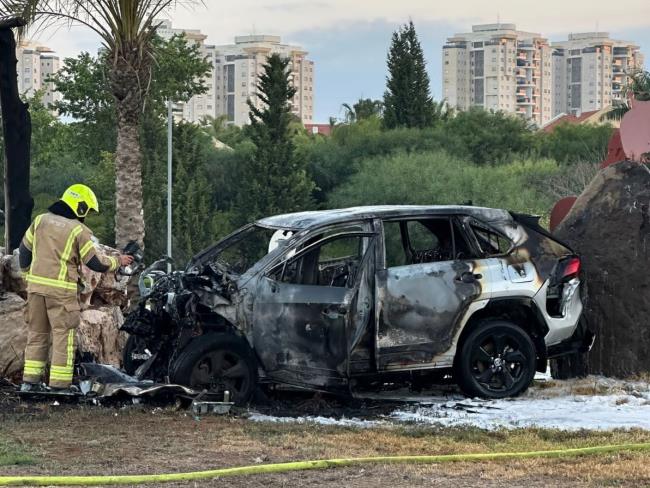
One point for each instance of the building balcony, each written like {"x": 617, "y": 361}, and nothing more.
{"x": 524, "y": 101}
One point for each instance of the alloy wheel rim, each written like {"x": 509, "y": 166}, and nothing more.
{"x": 497, "y": 362}
{"x": 221, "y": 370}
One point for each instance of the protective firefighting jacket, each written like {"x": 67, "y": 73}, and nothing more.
{"x": 58, "y": 247}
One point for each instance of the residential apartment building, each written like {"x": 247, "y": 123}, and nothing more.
{"x": 35, "y": 64}
{"x": 499, "y": 68}
{"x": 238, "y": 68}
{"x": 198, "y": 106}
{"x": 235, "y": 75}
{"x": 590, "y": 71}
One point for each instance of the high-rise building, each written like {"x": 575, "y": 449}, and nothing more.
{"x": 203, "y": 105}
{"x": 499, "y": 68}
{"x": 590, "y": 71}
{"x": 35, "y": 64}
{"x": 235, "y": 74}
{"x": 238, "y": 68}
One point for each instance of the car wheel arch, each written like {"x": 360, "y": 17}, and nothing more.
{"x": 215, "y": 337}
{"x": 522, "y": 312}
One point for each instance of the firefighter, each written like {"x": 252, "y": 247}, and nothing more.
{"x": 51, "y": 253}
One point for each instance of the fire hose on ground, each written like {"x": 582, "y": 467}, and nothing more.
{"x": 309, "y": 465}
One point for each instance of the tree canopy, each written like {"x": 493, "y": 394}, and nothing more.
{"x": 407, "y": 100}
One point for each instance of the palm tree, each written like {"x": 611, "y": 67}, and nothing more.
{"x": 363, "y": 109}
{"x": 127, "y": 29}
{"x": 442, "y": 111}
{"x": 214, "y": 126}
{"x": 637, "y": 87}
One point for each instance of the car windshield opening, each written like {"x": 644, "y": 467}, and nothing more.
{"x": 249, "y": 246}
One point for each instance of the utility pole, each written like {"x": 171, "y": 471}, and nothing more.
{"x": 170, "y": 126}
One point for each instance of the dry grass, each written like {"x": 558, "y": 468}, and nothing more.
{"x": 136, "y": 440}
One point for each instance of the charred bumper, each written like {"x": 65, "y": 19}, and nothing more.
{"x": 581, "y": 341}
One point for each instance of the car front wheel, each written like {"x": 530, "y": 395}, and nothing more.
{"x": 218, "y": 363}
{"x": 496, "y": 360}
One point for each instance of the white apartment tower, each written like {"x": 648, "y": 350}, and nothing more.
{"x": 238, "y": 68}
{"x": 499, "y": 68}
{"x": 35, "y": 64}
{"x": 200, "y": 105}
{"x": 590, "y": 71}
{"x": 235, "y": 75}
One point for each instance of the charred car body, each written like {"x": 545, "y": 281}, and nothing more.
{"x": 333, "y": 300}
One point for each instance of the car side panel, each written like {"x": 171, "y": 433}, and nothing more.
{"x": 420, "y": 308}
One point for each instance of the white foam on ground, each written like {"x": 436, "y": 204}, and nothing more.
{"x": 593, "y": 403}
{"x": 342, "y": 422}
{"x": 574, "y": 412}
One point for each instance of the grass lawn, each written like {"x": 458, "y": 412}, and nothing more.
{"x": 12, "y": 454}
{"x": 139, "y": 440}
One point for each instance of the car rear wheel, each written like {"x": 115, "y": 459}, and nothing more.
{"x": 496, "y": 360}
{"x": 218, "y": 363}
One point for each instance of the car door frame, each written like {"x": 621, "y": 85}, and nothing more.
{"x": 314, "y": 377}
{"x": 406, "y": 357}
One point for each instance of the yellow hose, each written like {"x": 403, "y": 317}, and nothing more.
{"x": 305, "y": 465}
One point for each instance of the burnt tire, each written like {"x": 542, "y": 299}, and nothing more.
{"x": 496, "y": 360}
{"x": 218, "y": 362}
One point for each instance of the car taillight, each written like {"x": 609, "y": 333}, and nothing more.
{"x": 571, "y": 269}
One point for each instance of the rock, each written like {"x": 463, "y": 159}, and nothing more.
{"x": 13, "y": 334}
{"x": 100, "y": 289}
{"x": 12, "y": 280}
{"x": 99, "y": 334}
{"x": 102, "y": 298}
{"x": 609, "y": 226}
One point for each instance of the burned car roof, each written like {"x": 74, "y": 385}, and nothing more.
{"x": 305, "y": 220}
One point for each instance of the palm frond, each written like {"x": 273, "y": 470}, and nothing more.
{"x": 117, "y": 22}
{"x": 637, "y": 87}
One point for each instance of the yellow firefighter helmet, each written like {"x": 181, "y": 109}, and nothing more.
{"x": 80, "y": 199}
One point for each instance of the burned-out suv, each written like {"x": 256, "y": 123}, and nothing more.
{"x": 341, "y": 299}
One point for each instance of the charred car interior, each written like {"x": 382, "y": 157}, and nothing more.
{"x": 339, "y": 300}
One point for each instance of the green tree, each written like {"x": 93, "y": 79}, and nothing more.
{"x": 574, "y": 143}
{"x": 219, "y": 129}
{"x": 363, "y": 109}
{"x": 127, "y": 29}
{"x": 407, "y": 100}
{"x": 274, "y": 180}
{"x": 88, "y": 144}
{"x": 486, "y": 137}
{"x": 436, "y": 178}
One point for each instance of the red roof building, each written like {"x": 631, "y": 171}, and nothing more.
{"x": 322, "y": 129}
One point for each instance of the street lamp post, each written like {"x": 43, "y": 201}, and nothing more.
{"x": 170, "y": 126}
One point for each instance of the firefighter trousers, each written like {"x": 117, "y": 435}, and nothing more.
{"x": 58, "y": 317}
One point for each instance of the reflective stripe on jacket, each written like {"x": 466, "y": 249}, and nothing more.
{"x": 59, "y": 246}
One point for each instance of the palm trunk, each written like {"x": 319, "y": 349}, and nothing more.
{"x": 129, "y": 218}
{"x": 126, "y": 78}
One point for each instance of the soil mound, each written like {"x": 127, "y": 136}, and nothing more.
{"x": 609, "y": 226}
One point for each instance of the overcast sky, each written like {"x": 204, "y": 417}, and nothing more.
{"x": 348, "y": 40}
